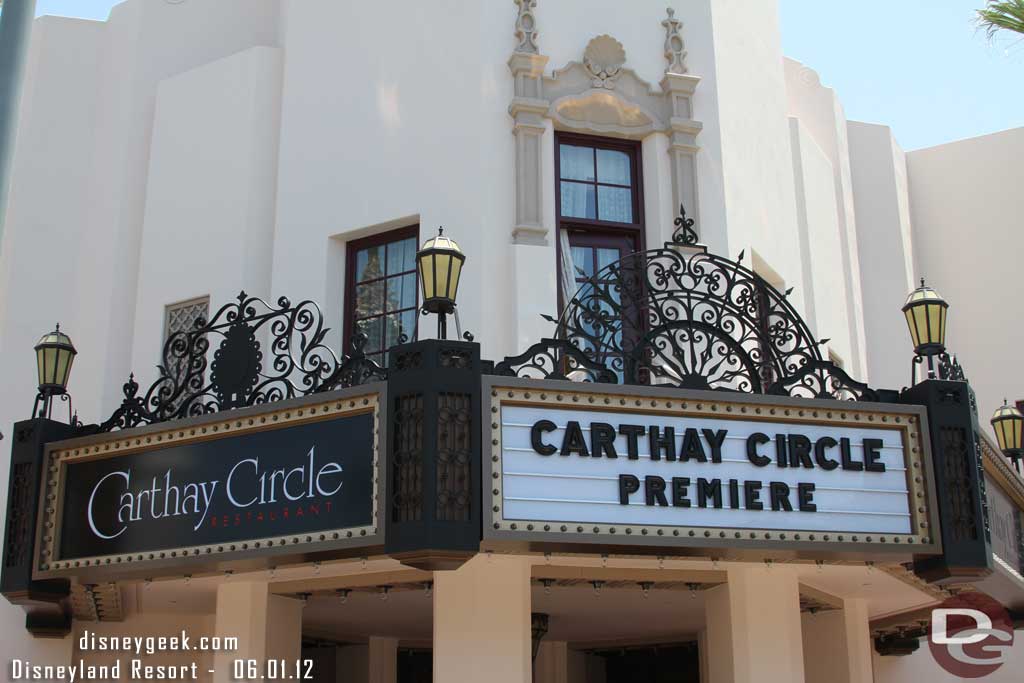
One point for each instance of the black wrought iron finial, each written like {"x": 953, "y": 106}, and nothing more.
{"x": 684, "y": 232}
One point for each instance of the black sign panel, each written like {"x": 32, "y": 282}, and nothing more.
{"x": 294, "y": 480}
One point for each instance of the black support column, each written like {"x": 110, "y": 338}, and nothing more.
{"x": 959, "y": 481}
{"x": 46, "y": 605}
{"x": 433, "y": 516}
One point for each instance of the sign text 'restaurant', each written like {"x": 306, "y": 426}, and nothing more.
{"x": 295, "y": 479}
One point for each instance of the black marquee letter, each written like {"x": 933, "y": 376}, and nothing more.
{"x": 602, "y": 440}
{"x": 780, "y": 450}
{"x": 824, "y": 462}
{"x": 752, "y": 495}
{"x": 659, "y": 442}
{"x": 574, "y": 441}
{"x": 709, "y": 489}
{"x": 715, "y": 440}
{"x": 800, "y": 451}
{"x": 779, "y": 494}
{"x": 805, "y": 498}
{"x": 632, "y": 432}
{"x": 692, "y": 449}
{"x": 654, "y": 491}
{"x": 753, "y": 441}
{"x": 536, "y": 431}
{"x": 679, "y": 491}
{"x": 848, "y": 462}
{"x": 872, "y": 453}
{"x": 628, "y": 484}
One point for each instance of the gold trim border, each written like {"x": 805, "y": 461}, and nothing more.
{"x": 908, "y": 424}
{"x": 57, "y": 459}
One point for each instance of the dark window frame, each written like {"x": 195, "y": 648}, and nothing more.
{"x": 349, "y": 295}
{"x": 635, "y": 230}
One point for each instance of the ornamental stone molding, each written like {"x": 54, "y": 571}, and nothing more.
{"x": 526, "y": 27}
{"x": 604, "y": 58}
{"x": 599, "y": 95}
{"x": 675, "y": 51}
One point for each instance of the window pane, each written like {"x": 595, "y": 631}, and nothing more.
{"x": 402, "y": 292}
{"x": 368, "y": 263}
{"x": 576, "y": 163}
{"x": 582, "y": 259}
{"x": 613, "y": 167}
{"x": 402, "y": 256}
{"x": 397, "y": 324}
{"x": 578, "y": 200}
{"x": 369, "y": 299}
{"x": 606, "y": 257}
{"x": 373, "y": 329}
{"x": 616, "y": 204}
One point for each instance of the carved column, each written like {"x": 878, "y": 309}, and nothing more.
{"x": 679, "y": 87}
{"x": 528, "y": 110}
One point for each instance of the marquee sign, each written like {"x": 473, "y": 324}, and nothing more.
{"x": 1006, "y": 521}
{"x": 300, "y": 476}
{"x": 647, "y": 466}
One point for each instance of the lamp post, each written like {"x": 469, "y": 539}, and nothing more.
{"x": 925, "y": 312}
{"x": 54, "y": 356}
{"x": 439, "y": 262}
{"x": 1008, "y": 423}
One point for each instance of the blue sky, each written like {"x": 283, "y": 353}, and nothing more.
{"x": 919, "y": 66}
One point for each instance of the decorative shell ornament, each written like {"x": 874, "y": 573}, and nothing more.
{"x": 604, "y": 58}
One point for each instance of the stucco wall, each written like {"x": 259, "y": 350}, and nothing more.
{"x": 966, "y": 207}
{"x": 211, "y": 191}
{"x": 886, "y": 249}
{"x": 821, "y": 248}
{"x": 820, "y": 112}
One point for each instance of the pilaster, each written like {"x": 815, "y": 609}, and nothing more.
{"x": 837, "y": 644}
{"x": 753, "y": 628}
{"x": 683, "y": 145}
{"x": 528, "y": 110}
{"x": 482, "y": 622}
{"x": 267, "y": 627}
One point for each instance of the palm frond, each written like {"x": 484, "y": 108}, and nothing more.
{"x": 1000, "y": 15}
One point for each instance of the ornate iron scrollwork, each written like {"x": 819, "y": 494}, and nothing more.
{"x": 684, "y": 232}
{"x": 823, "y": 379}
{"x": 941, "y": 366}
{"x": 694, "y": 320}
{"x": 680, "y": 316}
{"x": 296, "y": 362}
{"x": 950, "y": 369}
{"x": 555, "y": 359}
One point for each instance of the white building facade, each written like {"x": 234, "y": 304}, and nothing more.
{"x": 181, "y": 152}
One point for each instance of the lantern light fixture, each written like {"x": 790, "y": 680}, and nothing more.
{"x": 55, "y": 354}
{"x": 440, "y": 262}
{"x": 925, "y": 311}
{"x": 1008, "y": 424}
